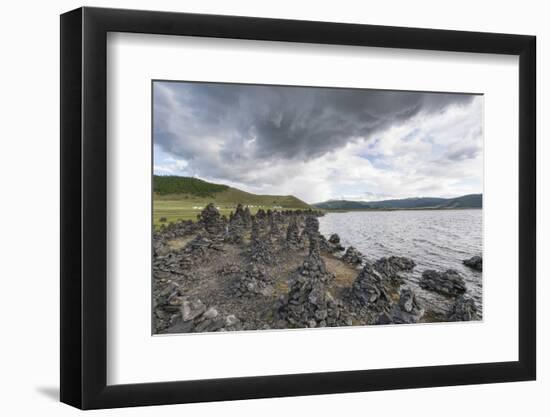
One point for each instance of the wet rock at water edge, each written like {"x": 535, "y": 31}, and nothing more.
{"x": 449, "y": 283}
{"x": 392, "y": 267}
{"x": 475, "y": 262}
{"x": 408, "y": 309}
{"x": 464, "y": 309}
{"x": 334, "y": 241}
{"x": 352, "y": 256}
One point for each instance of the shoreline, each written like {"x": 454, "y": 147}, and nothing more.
{"x": 275, "y": 270}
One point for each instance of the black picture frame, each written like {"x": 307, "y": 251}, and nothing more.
{"x": 84, "y": 207}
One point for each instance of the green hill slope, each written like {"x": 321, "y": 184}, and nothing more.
{"x": 182, "y": 198}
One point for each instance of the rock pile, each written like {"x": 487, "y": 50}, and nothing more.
{"x": 168, "y": 300}
{"x": 370, "y": 291}
{"x": 334, "y": 241}
{"x": 198, "y": 250}
{"x": 406, "y": 311}
{"x": 252, "y": 282}
{"x": 449, "y": 283}
{"x": 211, "y": 220}
{"x": 260, "y": 250}
{"x": 293, "y": 234}
{"x": 464, "y": 309}
{"x": 237, "y": 226}
{"x": 393, "y": 266}
{"x": 475, "y": 262}
{"x": 353, "y": 256}
{"x": 308, "y": 302}
{"x": 194, "y": 316}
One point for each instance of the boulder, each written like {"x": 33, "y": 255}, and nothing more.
{"x": 393, "y": 266}
{"x": 464, "y": 309}
{"x": 475, "y": 262}
{"x": 449, "y": 283}
{"x": 407, "y": 310}
{"x": 352, "y": 256}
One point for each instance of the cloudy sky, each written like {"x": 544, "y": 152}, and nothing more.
{"x": 320, "y": 143}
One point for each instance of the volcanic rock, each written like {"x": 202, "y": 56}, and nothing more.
{"x": 464, "y": 309}
{"x": 392, "y": 267}
{"x": 407, "y": 310}
{"x": 449, "y": 283}
{"x": 475, "y": 262}
{"x": 370, "y": 290}
{"x": 211, "y": 220}
{"x": 353, "y": 256}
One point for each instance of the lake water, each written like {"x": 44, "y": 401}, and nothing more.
{"x": 434, "y": 239}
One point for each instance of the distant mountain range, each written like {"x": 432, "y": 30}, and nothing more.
{"x": 465, "y": 201}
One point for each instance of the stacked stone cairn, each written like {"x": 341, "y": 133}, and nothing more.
{"x": 370, "y": 291}
{"x": 275, "y": 219}
{"x": 247, "y": 217}
{"x": 261, "y": 249}
{"x": 252, "y": 282}
{"x": 334, "y": 243}
{"x": 237, "y": 226}
{"x": 212, "y": 222}
{"x": 293, "y": 240}
{"x": 352, "y": 256}
{"x": 308, "y": 302}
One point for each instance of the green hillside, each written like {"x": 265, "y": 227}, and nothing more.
{"x": 171, "y": 184}
{"x": 466, "y": 201}
{"x": 182, "y": 198}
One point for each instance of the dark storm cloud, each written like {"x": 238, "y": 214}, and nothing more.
{"x": 263, "y": 123}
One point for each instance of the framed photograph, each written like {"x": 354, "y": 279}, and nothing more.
{"x": 257, "y": 208}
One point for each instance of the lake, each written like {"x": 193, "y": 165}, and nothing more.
{"x": 434, "y": 239}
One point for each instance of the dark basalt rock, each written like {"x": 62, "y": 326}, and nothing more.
{"x": 407, "y": 310}
{"x": 308, "y": 302}
{"x": 195, "y": 317}
{"x": 293, "y": 234}
{"x": 238, "y": 223}
{"x": 370, "y": 290}
{"x": 449, "y": 283}
{"x": 392, "y": 267}
{"x": 211, "y": 220}
{"x": 254, "y": 281}
{"x": 261, "y": 250}
{"x": 464, "y": 309}
{"x": 334, "y": 243}
{"x": 475, "y": 262}
{"x": 353, "y": 256}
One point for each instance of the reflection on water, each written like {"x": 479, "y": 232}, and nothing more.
{"x": 434, "y": 239}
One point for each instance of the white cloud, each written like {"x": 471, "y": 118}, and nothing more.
{"x": 429, "y": 153}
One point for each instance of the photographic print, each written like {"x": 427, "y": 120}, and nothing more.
{"x": 293, "y": 207}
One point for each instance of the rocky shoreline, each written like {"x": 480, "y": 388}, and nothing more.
{"x": 275, "y": 270}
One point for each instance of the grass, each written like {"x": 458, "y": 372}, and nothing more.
{"x": 175, "y": 210}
